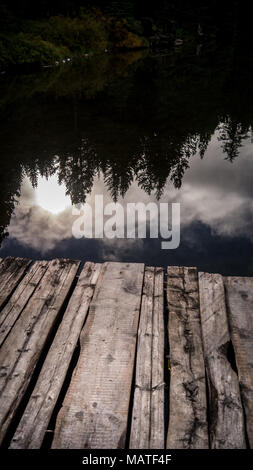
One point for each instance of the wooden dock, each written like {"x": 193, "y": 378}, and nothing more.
{"x": 121, "y": 355}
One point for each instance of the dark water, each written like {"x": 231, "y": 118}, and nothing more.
{"x": 174, "y": 126}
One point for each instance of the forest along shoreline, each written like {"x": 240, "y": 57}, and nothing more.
{"x": 47, "y": 34}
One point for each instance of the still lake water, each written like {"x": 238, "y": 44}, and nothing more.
{"x": 171, "y": 127}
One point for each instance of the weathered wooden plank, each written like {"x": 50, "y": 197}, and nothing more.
{"x": 34, "y": 422}
{"x": 140, "y": 426}
{"x": 157, "y": 431}
{"x": 20, "y": 297}
{"x": 225, "y": 408}
{"x": 147, "y": 427}
{"x": 239, "y": 297}
{"x": 187, "y": 414}
{"x": 22, "y": 348}
{"x": 95, "y": 409}
{"x": 11, "y": 272}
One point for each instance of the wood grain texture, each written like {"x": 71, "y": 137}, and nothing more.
{"x": 225, "y": 408}
{"x": 95, "y": 409}
{"x": 147, "y": 427}
{"x": 140, "y": 427}
{"x": 11, "y": 272}
{"x": 20, "y": 297}
{"x": 187, "y": 411}
{"x": 157, "y": 431}
{"x": 34, "y": 422}
{"x": 22, "y": 348}
{"x": 239, "y": 297}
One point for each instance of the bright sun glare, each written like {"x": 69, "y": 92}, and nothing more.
{"x": 51, "y": 196}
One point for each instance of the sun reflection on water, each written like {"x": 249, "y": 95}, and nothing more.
{"x": 51, "y": 196}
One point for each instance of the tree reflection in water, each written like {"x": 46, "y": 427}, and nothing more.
{"x": 135, "y": 117}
